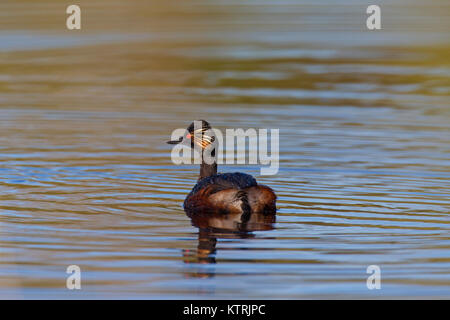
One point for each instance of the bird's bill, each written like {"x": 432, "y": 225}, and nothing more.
{"x": 175, "y": 141}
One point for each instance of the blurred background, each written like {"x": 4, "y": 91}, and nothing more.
{"x": 86, "y": 177}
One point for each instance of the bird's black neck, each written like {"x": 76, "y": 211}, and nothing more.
{"x": 206, "y": 169}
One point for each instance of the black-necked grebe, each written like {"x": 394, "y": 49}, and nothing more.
{"x": 224, "y": 192}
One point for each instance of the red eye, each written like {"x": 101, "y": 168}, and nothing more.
{"x": 188, "y": 136}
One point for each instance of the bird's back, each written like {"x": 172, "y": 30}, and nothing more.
{"x": 222, "y": 181}
{"x": 229, "y": 192}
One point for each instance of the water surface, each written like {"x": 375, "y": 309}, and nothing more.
{"x": 86, "y": 177}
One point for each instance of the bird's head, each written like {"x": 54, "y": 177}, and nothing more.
{"x": 199, "y": 133}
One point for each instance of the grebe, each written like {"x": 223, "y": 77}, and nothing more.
{"x": 222, "y": 193}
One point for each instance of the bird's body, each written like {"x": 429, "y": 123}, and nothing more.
{"x": 226, "y": 192}
{"x": 230, "y": 193}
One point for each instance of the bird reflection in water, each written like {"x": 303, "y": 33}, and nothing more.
{"x": 213, "y": 227}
